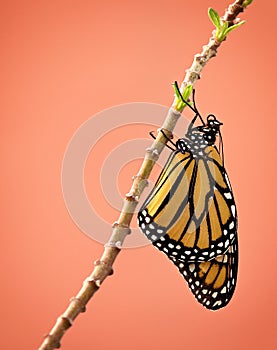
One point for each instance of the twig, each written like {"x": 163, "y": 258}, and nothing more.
{"x": 103, "y": 266}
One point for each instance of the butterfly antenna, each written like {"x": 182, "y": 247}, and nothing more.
{"x": 194, "y": 104}
{"x": 195, "y": 110}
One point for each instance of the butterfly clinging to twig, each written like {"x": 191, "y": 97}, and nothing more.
{"x": 190, "y": 215}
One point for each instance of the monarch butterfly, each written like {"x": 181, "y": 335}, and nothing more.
{"x": 190, "y": 215}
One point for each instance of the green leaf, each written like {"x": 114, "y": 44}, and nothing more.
{"x": 224, "y": 27}
{"x": 187, "y": 92}
{"x": 228, "y": 30}
{"x": 246, "y": 3}
{"x": 214, "y": 17}
{"x": 221, "y": 33}
{"x": 180, "y": 105}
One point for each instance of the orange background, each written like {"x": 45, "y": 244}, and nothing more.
{"x": 62, "y": 62}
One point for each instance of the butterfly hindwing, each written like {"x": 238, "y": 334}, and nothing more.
{"x": 212, "y": 282}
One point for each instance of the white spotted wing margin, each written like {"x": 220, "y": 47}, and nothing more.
{"x": 212, "y": 282}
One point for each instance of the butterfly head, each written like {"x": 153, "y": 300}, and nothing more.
{"x": 199, "y": 137}
{"x": 211, "y": 129}
{"x": 212, "y": 122}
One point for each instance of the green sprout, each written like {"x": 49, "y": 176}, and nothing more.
{"x": 222, "y": 28}
{"x": 246, "y": 3}
{"x": 180, "y": 105}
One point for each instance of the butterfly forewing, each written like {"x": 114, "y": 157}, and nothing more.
{"x": 190, "y": 214}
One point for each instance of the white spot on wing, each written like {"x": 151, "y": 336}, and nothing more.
{"x": 228, "y": 195}
{"x": 227, "y": 243}
{"x": 217, "y": 303}
{"x": 233, "y": 209}
{"x": 227, "y": 180}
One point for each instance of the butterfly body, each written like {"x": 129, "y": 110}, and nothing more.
{"x": 190, "y": 215}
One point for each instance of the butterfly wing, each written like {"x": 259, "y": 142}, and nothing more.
{"x": 212, "y": 282}
{"x": 190, "y": 214}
